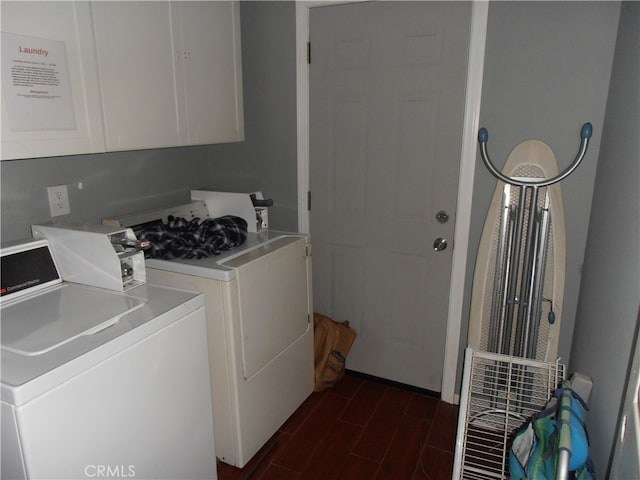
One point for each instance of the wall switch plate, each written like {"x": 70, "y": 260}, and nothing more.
{"x": 58, "y": 200}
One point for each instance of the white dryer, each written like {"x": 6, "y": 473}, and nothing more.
{"x": 97, "y": 383}
{"x": 259, "y": 320}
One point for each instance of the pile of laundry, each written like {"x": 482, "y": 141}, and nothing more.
{"x": 181, "y": 238}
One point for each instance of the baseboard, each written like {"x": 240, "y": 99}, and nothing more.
{"x": 392, "y": 383}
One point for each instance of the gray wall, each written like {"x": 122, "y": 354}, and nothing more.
{"x": 267, "y": 160}
{"x": 610, "y": 292}
{"x": 546, "y": 72}
{"x": 124, "y": 182}
{"x": 112, "y": 184}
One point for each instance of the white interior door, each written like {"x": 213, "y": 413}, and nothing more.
{"x": 387, "y": 92}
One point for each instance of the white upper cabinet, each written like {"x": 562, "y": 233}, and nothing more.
{"x": 87, "y": 77}
{"x": 170, "y": 73}
{"x": 210, "y": 67}
{"x": 136, "y": 65}
{"x": 50, "y": 96}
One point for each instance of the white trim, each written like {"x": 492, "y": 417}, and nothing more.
{"x": 475, "y": 68}
{"x": 302, "y": 100}
{"x": 462, "y": 414}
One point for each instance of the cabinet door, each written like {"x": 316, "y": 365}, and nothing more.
{"x": 136, "y": 61}
{"x": 210, "y": 70}
{"x": 50, "y": 90}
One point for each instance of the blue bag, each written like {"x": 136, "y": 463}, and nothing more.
{"x": 534, "y": 450}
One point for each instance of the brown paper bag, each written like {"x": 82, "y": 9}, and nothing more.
{"x": 332, "y": 342}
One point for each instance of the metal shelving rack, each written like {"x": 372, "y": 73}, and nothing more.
{"x": 499, "y": 393}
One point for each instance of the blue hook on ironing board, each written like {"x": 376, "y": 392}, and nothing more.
{"x": 585, "y": 136}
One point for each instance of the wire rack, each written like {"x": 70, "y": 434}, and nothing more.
{"x": 499, "y": 393}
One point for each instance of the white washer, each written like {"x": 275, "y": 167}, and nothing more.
{"x": 260, "y": 330}
{"x": 97, "y": 383}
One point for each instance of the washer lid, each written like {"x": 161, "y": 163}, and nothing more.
{"x": 58, "y": 316}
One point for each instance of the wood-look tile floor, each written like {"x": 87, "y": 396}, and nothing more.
{"x": 359, "y": 430}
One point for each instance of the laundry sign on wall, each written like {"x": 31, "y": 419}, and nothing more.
{"x": 35, "y": 83}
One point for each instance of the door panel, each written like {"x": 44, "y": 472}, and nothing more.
{"x": 135, "y": 37}
{"x": 387, "y": 88}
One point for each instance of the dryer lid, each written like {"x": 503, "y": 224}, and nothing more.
{"x": 56, "y": 317}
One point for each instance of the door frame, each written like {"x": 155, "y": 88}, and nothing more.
{"x": 475, "y": 68}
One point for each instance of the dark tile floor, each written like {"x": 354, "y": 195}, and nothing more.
{"x": 360, "y": 429}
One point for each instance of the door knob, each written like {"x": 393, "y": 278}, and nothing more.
{"x": 439, "y": 244}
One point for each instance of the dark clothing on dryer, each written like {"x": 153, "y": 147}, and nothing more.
{"x": 179, "y": 238}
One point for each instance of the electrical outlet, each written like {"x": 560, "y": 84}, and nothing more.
{"x": 58, "y": 200}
